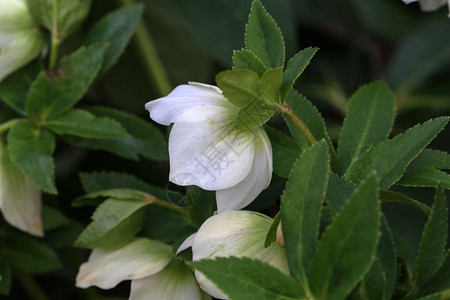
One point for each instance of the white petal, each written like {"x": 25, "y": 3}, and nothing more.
{"x": 242, "y": 194}
{"x": 449, "y": 8}
{"x": 235, "y": 233}
{"x": 431, "y": 5}
{"x": 205, "y": 153}
{"x": 137, "y": 259}
{"x": 187, "y": 243}
{"x": 20, "y": 199}
{"x": 176, "y": 281}
{"x": 409, "y": 1}
{"x": 167, "y": 109}
{"x": 14, "y": 15}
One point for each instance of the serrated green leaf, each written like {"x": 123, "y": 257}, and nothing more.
{"x": 295, "y": 68}
{"x": 390, "y": 158}
{"x": 6, "y": 277}
{"x": 434, "y": 237}
{"x": 145, "y": 139}
{"x": 284, "y": 151}
{"x": 263, "y": 37}
{"x": 430, "y": 159}
{"x": 31, "y": 150}
{"x": 246, "y": 59}
{"x": 14, "y": 88}
{"x": 300, "y": 208}
{"x": 30, "y": 255}
{"x": 389, "y": 196}
{"x": 248, "y": 279}
{"x": 303, "y": 108}
{"x": 115, "y": 29}
{"x": 115, "y": 222}
{"x": 440, "y": 281}
{"x": 369, "y": 120}
{"x": 119, "y": 194}
{"x": 240, "y": 87}
{"x": 53, "y": 218}
{"x": 338, "y": 191}
{"x": 347, "y": 248}
{"x": 55, "y": 91}
{"x": 84, "y": 124}
{"x": 425, "y": 178}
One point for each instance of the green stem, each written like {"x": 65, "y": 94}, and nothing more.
{"x": 153, "y": 200}
{"x": 30, "y": 285}
{"x": 7, "y": 125}
{"x": 287, "y": 111}
{"x": 147, "y": 50}
{"x": 55, "y": 37}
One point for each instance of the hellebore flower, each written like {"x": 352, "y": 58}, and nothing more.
{"x": 20, "y": 38}
{"x": 20, "y": 199}
{"x": 209, "y": 149}
{"x": 234, "y": 233}
{"x": 151, "y": 267}
{"x": 430, "y": 5}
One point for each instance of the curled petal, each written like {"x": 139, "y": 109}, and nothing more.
{"x": 137, "y": 259}
{"x": 206, "y": 151}
{"x": 242, "y": 194}
{"x": 167, "y": 109}
{"x": 176, "y": 281}
{"x": 187, "y": 243}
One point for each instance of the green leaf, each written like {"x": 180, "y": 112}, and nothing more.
{"x": 370, "y": 116}
{"x": 380, "y": 281}
{"x": 348, "y": 246}
{"x": 115, "y": 222}
{"x": 240, "y": 87}
{"x": 96, "y": 198}
{"x": 145, "y": 139}
{"x": 82, "y": 123}
{"x": 300, "y": 208}
{"x": 6, "y": 277}
{"x": 271, "y": 236}
{"x": 303, "y": 108}
{"x": 425, "y": 177}
{"x": 63, "y": 236}
{"x": 295, "y": 68}
{"x": 440, "y": 280}
{"x": 389, "y": 196}
{"x": 115, "y": 29}
{"x": 434, "y": 237}
{"x": 53, "y": 218}
{"x": 430, "y": 159}
{"x": 248, "y": 279}
{"x": 270, "y": 84}
{"x": 338, "y": 191}
{"x": 247, "y": 60}
{"x": 55, "y": 91}
{"x": 263, "y": 37}
{"x": 14, "y": 88}
{"x": 30, "y": 255}
{"x": 31, "y": 150}
{"x": 390, "y": 158}
{"x": 284, "y": 150}
{"x": 438, "y": 296}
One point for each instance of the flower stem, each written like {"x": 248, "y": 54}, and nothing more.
{"x": 30, "y": 285}
{"x": 147, "y": 50}
{"x": 287, "y": 111}
{"x": 54, "y": 38}
{"x": 7, "y": 125}
{"x": 153, "y": 200}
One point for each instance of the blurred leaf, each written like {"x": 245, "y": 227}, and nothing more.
{"x": 300, "y": 208}
{"x": 115, "y": 222}
{"x": 271, "y": 236}
{"x": 63, "y": 236}
{"x": 434, "y": 237}
{"x": 390, "y": 158}
{"x": 348, "y": 246}
{"x": 30, "y": 254}
{"x": 84, "y": 124}
{"x": 248, "y": 279}
{"x": 263, "y": 37}
{"x": 145, "y": 139}
{"x": 303, "y": 108}
{"x": 338, "y": 191}
{"x": 425, "y": 177}
{"x": 115, "y": 29}
{"x": 55, "y": 91}
{"x": 285, "y": 151}
{"x": 31, "y": 149}
{"x": 440, "y": 281}
{"x": 53, "y": 218}
{"x": 203, "y": 205}
{"x": 422, "y": 54}
{"x": 430, "y": 159}
{"x": 369, "y": 120}
{"x": 14, "y": 88}
{"x": 96, "y": 198}
{"x": 247, "y": 60}
{"x": 437, "y": 296}
{"x": 295, "y": 68}
{"x": 6, "y": 278}
{"x": 389, "y": 196}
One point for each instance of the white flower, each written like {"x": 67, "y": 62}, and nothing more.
{"x": 208, "y": 149}
{"x": 234, "y": 233}
{"x": 154, "y": 271}
{"x": 20, "y": 38}
{"x": 429, "y": 5}
{"x": 20, "y": 199}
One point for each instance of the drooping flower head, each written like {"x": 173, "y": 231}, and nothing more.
{"x": 212, "y": 146}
